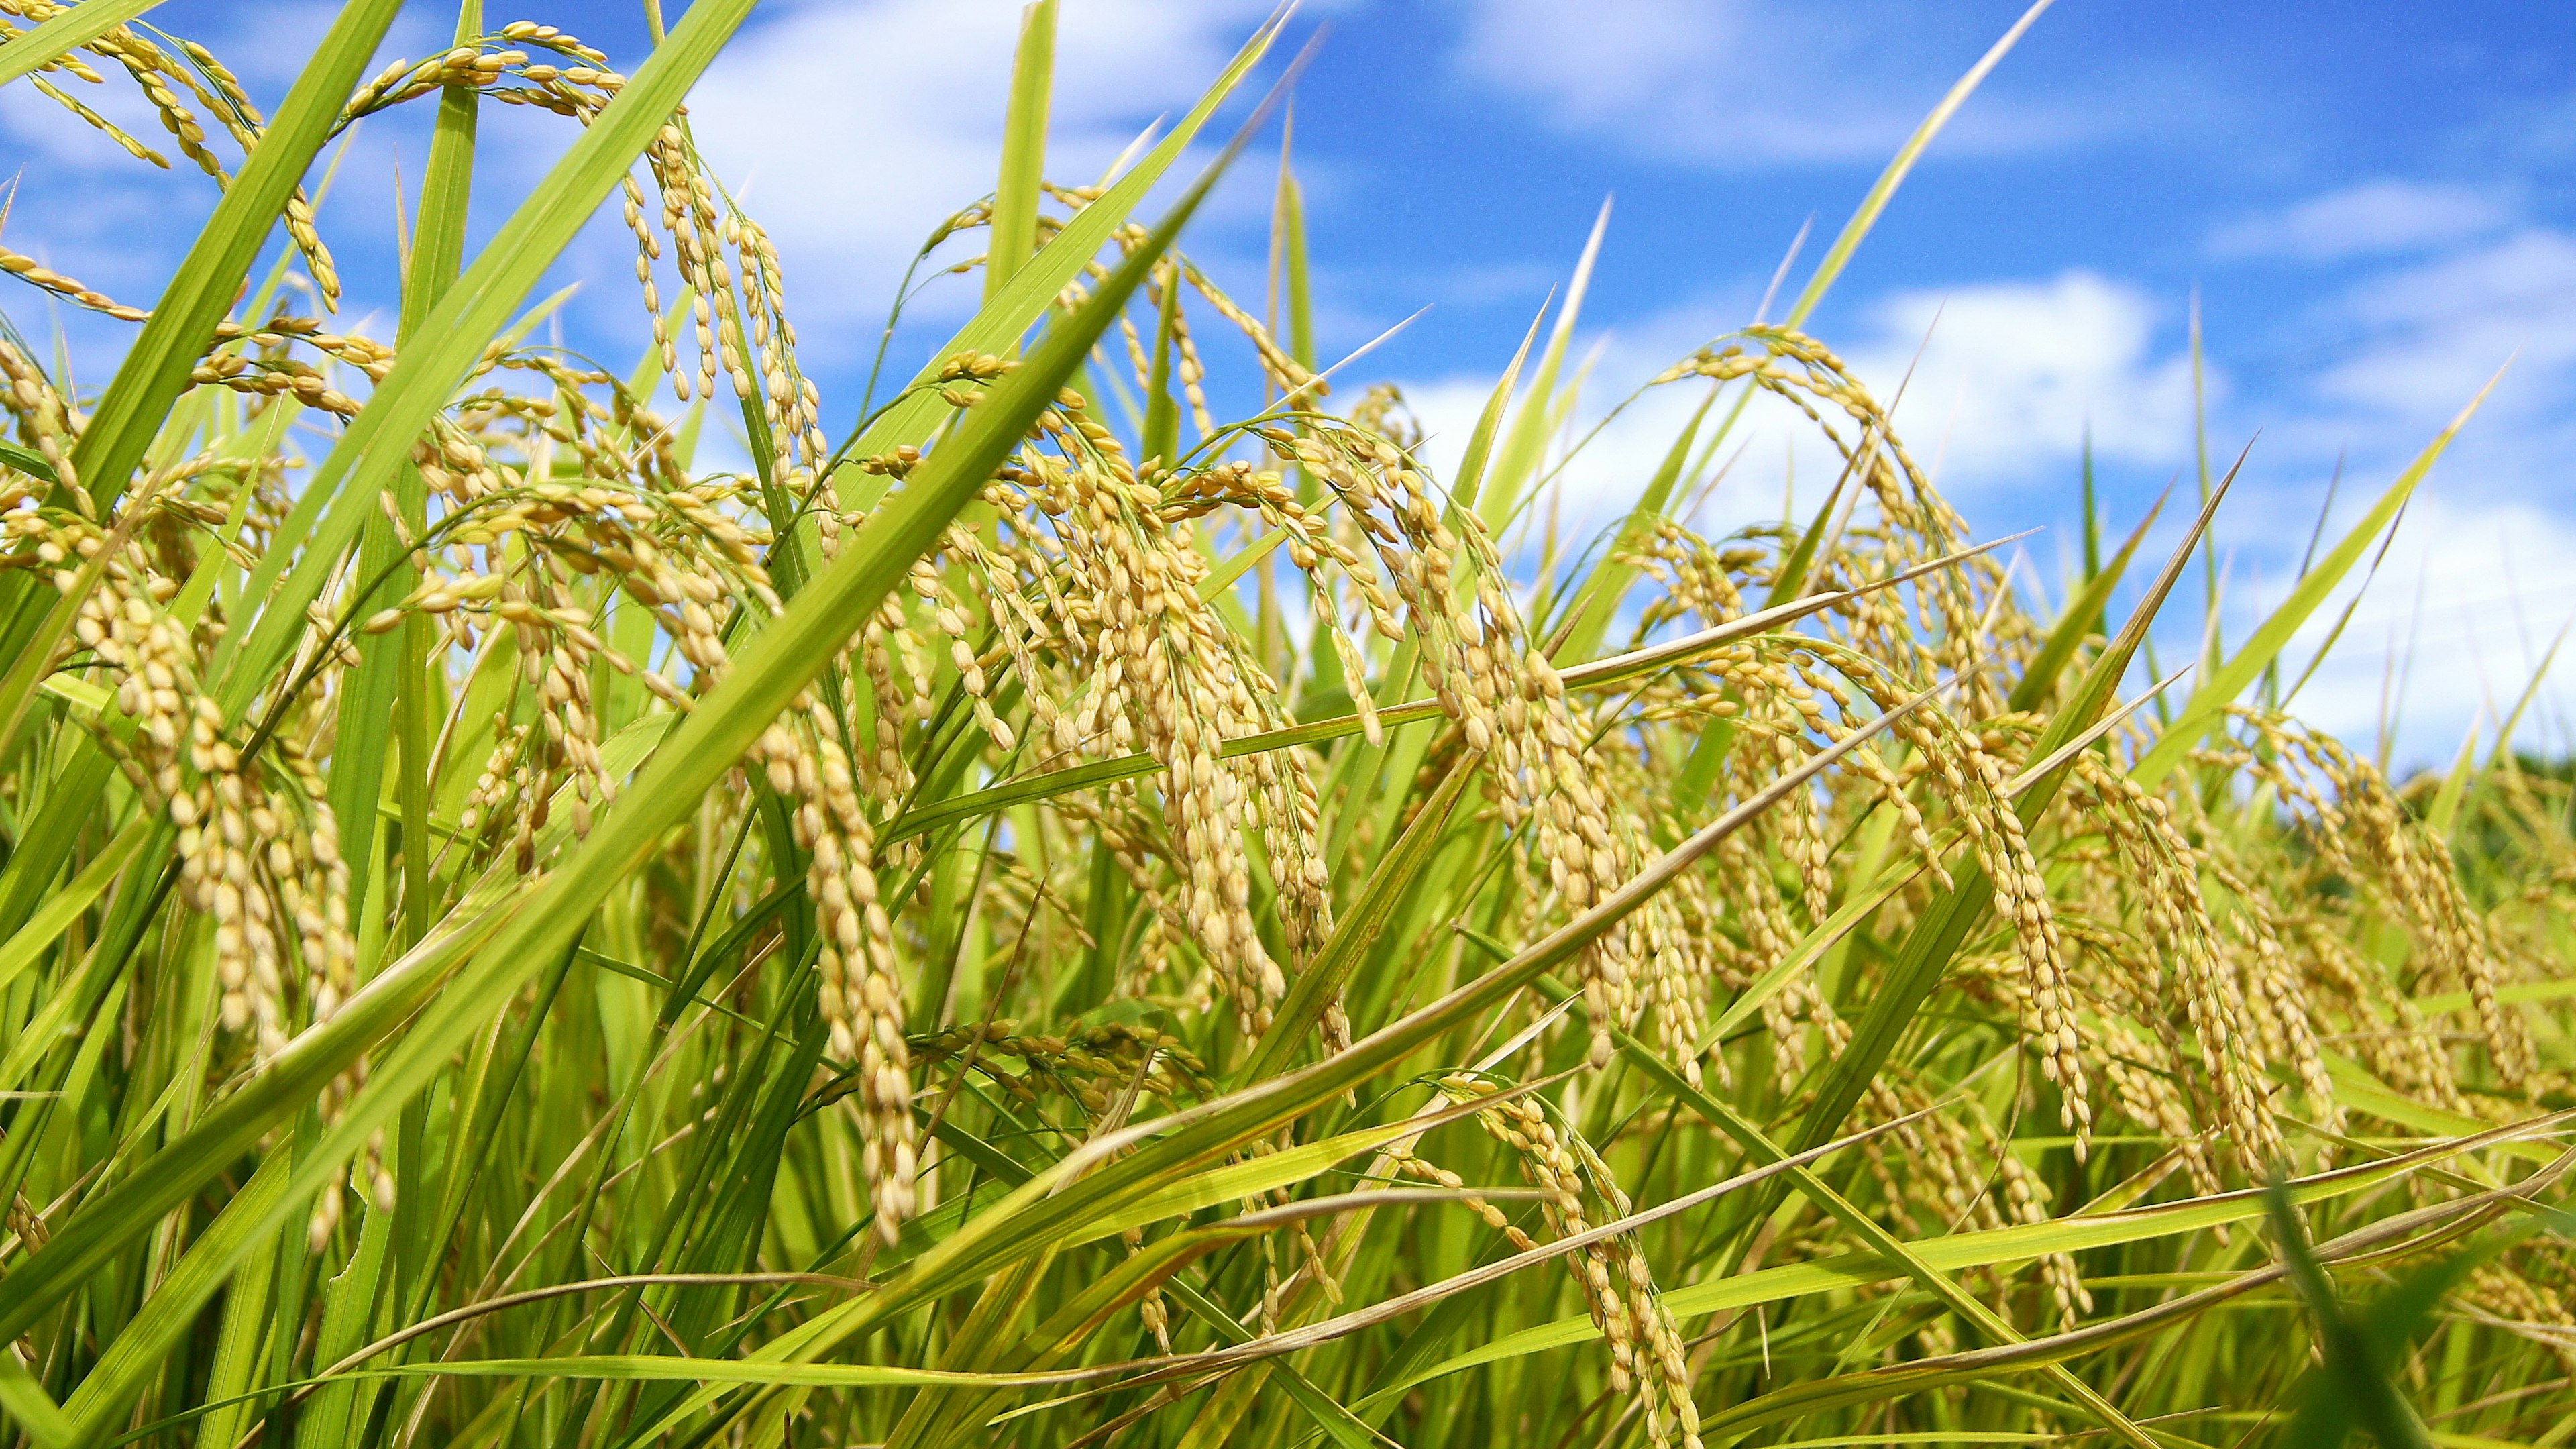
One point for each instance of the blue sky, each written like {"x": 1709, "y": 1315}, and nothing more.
{"x": 2371, "y": 199}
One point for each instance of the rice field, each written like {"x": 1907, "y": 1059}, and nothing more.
{"x": 1046, "y": 909}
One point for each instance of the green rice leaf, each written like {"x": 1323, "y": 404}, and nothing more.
{"x": 1883, "y": 190}
{"x": 1024, "y": 136}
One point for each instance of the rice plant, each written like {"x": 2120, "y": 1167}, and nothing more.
{"x": 1064, "y": 918}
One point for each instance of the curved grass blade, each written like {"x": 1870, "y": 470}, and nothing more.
{"x": 1839, "y": 255}
{"x": 30, "y": 1407}
{"x": 1480, "y": 440}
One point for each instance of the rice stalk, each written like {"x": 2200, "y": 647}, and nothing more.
{"x": 997, "y": 929}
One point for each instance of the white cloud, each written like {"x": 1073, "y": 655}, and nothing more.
{"x": 2013, "y": 372}
{"x": 854, "y": 128}
{"x": 2435, "y": 331}
{"x": 1762, "y": 82}
{"x": 2376, "y": 216}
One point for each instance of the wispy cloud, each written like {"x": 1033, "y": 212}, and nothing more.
{"x": 1753, "y": 83}
{"x": 2373, "y": 217}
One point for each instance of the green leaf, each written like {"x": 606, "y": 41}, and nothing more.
{"x": 1161, "y": 440}
{"x": 2082, "y": 615}
{"x": 1597, "y": 604}
{"x": 135, "y": 1358}
{"x": 1480, "y": 441}
{"x": 1840, "y": 254}
{"x": 1288, "y": 214}
{"x": 1497, "y": 495}
{"x": 1791, "y": 581}
{"x": 26, "y": 1400}
{"x": 1024, "y": 137}
{"x": 58, "y": 912}
{"x": 24, "y": 459}
{"x": 2445, "y": 809}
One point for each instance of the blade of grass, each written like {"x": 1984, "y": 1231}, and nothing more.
{"x": 27, "y": 461}
{"x": 2082, "y": 616}
{"x": 1497, "y": 495}
{"x": 1024, "y": 137}
{"x": 64, "y": 907}
{"x": 1596, "y": 605}
{"x": 33, "y": 1410}
{"x": 1880, "y": 192}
